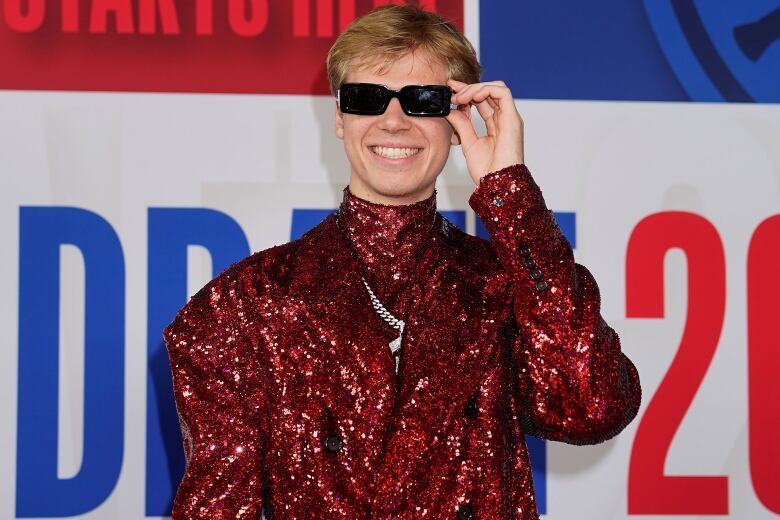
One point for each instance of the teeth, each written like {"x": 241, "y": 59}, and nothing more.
{"x": 394, "y": 153}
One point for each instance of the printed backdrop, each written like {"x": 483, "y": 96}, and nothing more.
{"x": 147, "y": 144}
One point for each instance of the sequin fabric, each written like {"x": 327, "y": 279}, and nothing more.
{"x": 388, "y": 241}
{"x": 286, "y": 388}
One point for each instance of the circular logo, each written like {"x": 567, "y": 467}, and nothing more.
{"x": 721, "y": 51}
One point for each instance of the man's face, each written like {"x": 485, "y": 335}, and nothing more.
{"x": 395, "y": 158}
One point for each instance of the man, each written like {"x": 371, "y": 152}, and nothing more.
{"x": 386, "y": 364}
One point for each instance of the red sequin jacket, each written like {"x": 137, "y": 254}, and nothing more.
{"x": 289, "y": 401}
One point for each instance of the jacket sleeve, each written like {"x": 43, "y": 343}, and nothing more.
{"x": 575, "y": 384}
{"x": 220, "y": 405}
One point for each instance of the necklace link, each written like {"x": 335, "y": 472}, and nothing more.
{"x": 386, "y": 315}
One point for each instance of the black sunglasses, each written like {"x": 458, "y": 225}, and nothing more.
{"x": 369, "y": 99}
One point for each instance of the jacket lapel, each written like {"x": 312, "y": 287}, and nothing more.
{"x": 447, "y": 349}
{"x": 326, "y": 279}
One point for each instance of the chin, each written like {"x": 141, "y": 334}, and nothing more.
{"x": 399, "y": 188}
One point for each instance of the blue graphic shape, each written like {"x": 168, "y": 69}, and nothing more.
{"x": 456, "y": 216}
{"x": 170, "y": 231}
{"x": 721, "y": 51}
{"x": 305, "y": 219}
{"x": 568, "y": 49}
{"x": 567, "y": 220}
{"x": 39, "y": 491}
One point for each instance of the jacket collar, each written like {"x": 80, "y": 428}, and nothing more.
{"x": 387, "y": 241}
{"x": 325, "y": 269}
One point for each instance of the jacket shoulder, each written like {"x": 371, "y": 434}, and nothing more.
{"x": 255, "y": 273}
{"x": 234, "y": 289}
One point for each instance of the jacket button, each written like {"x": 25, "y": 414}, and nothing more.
{"x": 498, "y": 201}
{"x": 541, "y": 285}
{"x": 465, "y": 512}
{"x": 535, "y": 274}
{"x": 529, "y": 262}
{"x": 471, "y": 409}
{"x": 333, "y": 443}
{"x": 525, "y": 250}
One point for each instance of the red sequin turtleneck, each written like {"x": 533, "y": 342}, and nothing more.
{"x": 387, "y": 240}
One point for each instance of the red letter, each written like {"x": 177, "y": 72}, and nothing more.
{"x": 346, "y": 13}
{"x": 246, "y": 26}
{"x": 204, "y": 17}
{"x": 650, "y": 490}
{"x": 70, "y": 16}
{"x": 147, "y": 19}
{"x": 24, "y": 22}
{"x": 122, "y": 10}
{"x": 325, "y": 18}
{"x": 763, "y": 285}
{"x": 301, "y": 15}
{"x": 430, "y": 5}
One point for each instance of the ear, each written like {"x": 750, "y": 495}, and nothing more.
{"x": 339, "y": 123}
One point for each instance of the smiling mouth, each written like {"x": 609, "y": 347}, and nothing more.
{"x": 394, "y": 153}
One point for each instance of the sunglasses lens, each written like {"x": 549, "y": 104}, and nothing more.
{"x": 431, "y": 100}
{"x": 362, "y": 99}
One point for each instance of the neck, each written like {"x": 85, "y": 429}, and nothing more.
{"x": 358, "y": 189}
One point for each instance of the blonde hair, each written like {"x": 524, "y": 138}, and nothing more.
{"x": 390, "y": 32}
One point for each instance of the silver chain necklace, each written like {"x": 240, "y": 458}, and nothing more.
{"x": 394, "y": 322}
{"x": 380, "y": 309}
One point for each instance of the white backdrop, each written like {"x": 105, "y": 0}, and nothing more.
{"x": 256, "y": 157}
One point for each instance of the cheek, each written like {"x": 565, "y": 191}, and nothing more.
{"x": 444, "y": 129}
{"x": 354, "y": 131}
{"x": 441, "y": 134}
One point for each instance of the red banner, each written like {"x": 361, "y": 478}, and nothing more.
{"x": 227, "y": 46}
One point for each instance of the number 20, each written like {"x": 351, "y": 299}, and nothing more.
{"x": 650, "y": 491}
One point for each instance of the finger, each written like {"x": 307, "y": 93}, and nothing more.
{"x": 486, "y": 107}
{"x": 460, "y": 83}
{"x": 455, "y": 84}
{"x": 501, "y": 96}
{"x": 463, "y": 127}
{"x": 460, "y": 88}
{"x": 505, "y": 112}
{"x": 456, "y": 87}
{"x": 486, "y": 112}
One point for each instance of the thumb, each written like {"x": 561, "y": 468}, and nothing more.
{"x": 462, "y": 125}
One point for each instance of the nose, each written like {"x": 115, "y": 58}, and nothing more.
{"x": 394, "y": 119}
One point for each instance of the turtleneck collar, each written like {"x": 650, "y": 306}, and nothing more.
{"x": 387, "y": 239}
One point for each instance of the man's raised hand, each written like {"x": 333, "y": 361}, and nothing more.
{"x": 503, "y": 144}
